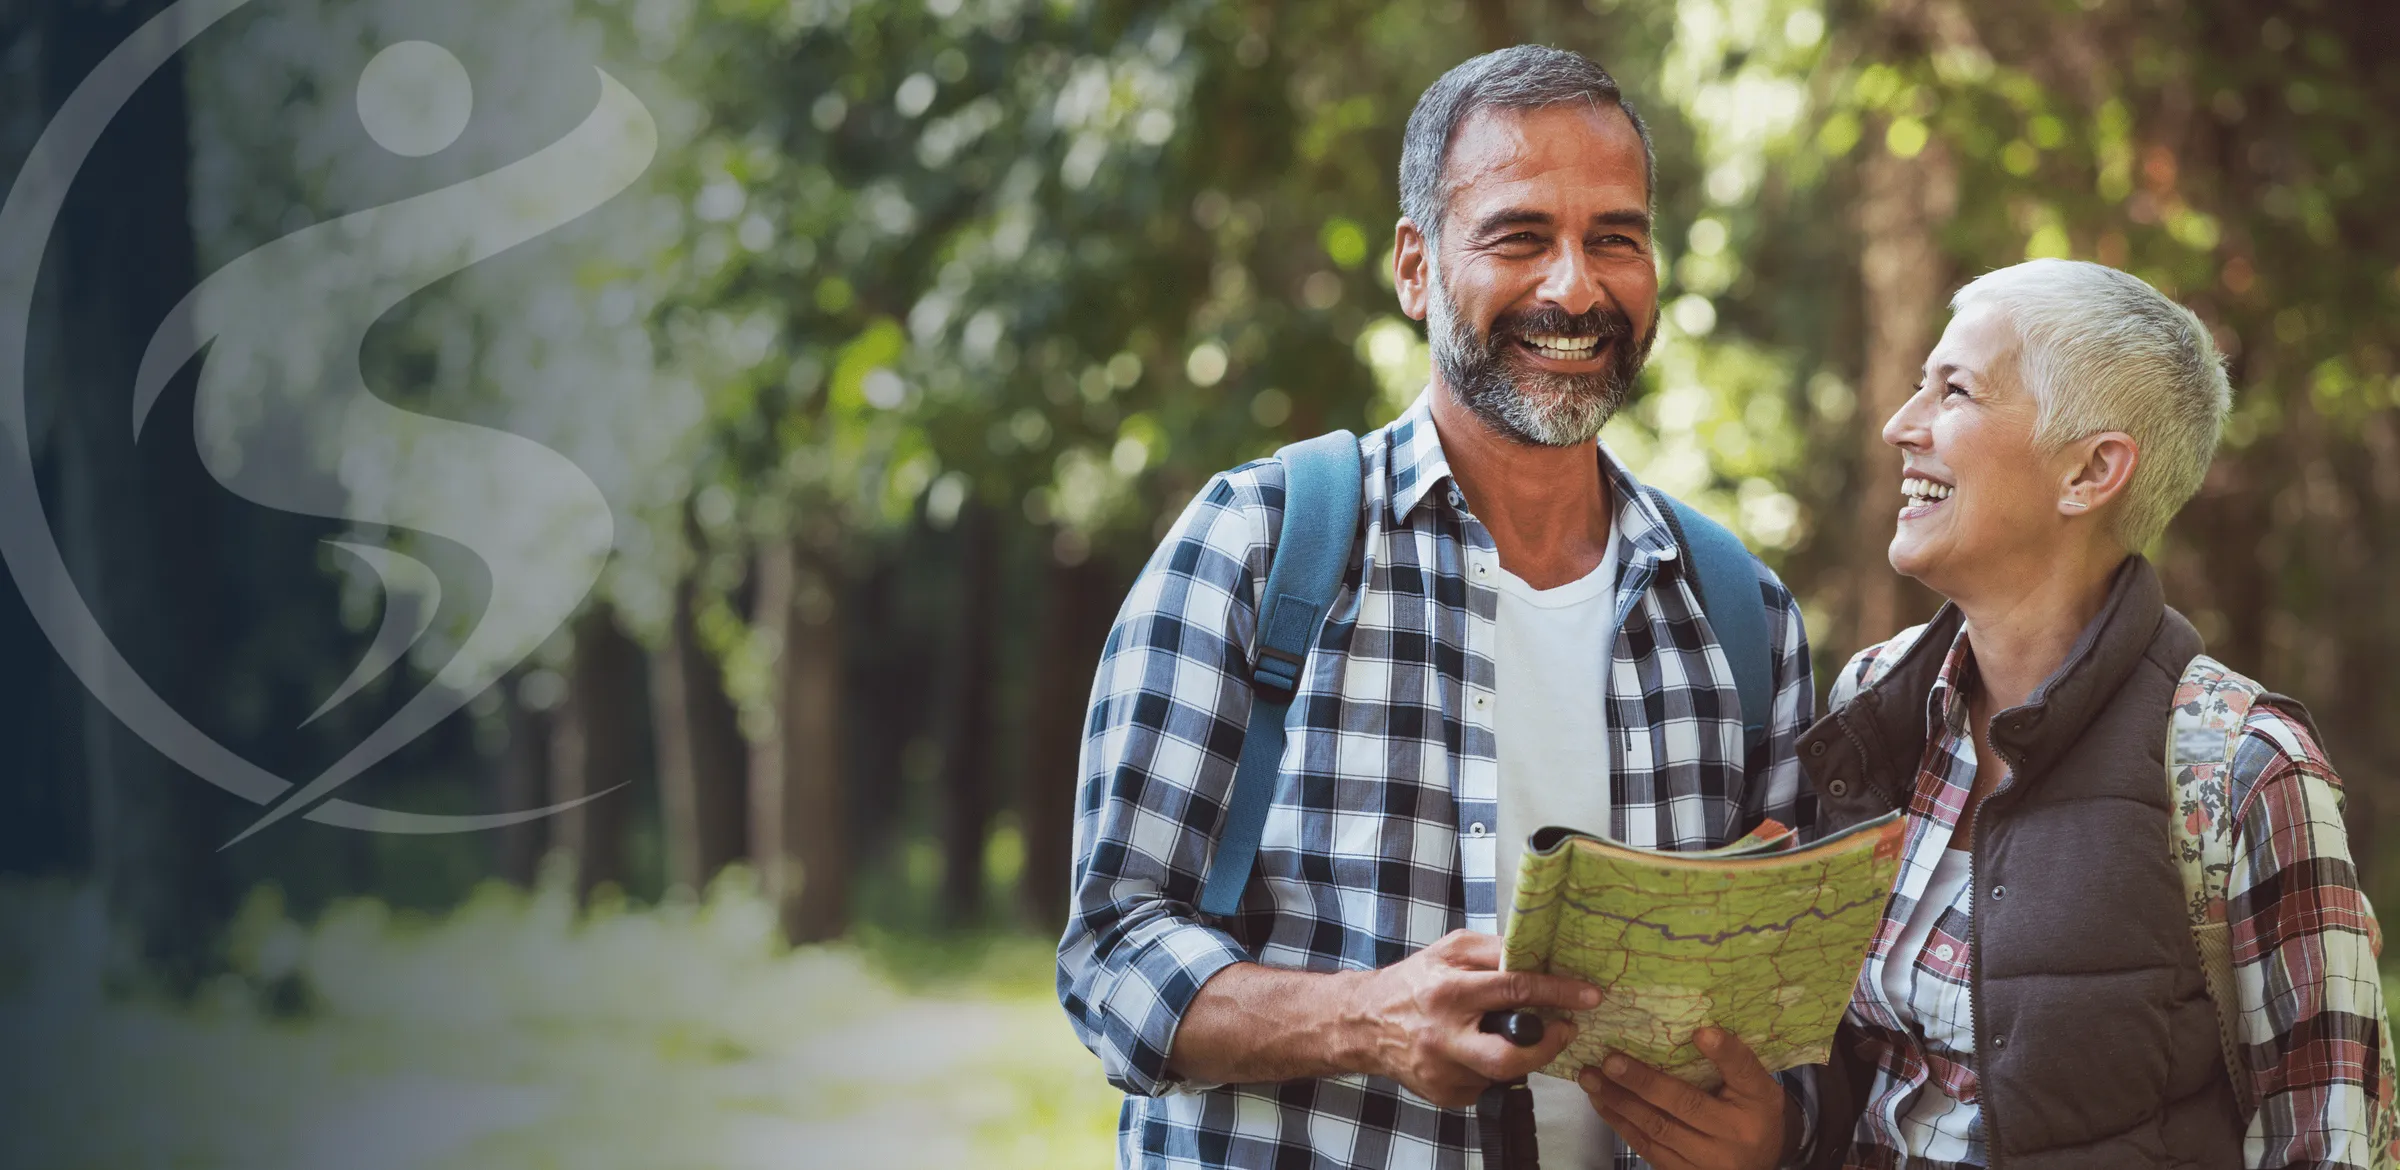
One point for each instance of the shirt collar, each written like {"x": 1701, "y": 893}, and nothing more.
{"x": 1417, "y": 463}
{"x": 1946, "y": 699}
{"x": 1418, "y": 466}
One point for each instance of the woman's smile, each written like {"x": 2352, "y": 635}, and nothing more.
{"x": 1925, "y": 495}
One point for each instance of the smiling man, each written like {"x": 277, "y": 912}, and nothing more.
{"x": 1520, "y": 640}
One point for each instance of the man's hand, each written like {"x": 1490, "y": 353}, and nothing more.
{"x": 1416, "y": 1020}
{"x": 1674, "y": 1126}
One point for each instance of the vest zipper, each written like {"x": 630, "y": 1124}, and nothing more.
{"x": 1991, "y": 1116}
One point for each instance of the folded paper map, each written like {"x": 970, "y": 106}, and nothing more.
{"x": 1758, "y": 938}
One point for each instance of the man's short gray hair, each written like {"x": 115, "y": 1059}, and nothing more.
{"x": 1522, "y": 78}
{"x": 2101, "y": 350}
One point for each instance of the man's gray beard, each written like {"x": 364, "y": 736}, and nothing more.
{"x": 1563, "y": 410}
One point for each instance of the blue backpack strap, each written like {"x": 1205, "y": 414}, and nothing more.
{"x": 1321, "y": 487}
{"x": 1725, "y": 576}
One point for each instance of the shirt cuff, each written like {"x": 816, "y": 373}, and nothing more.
{"x": 1152, "y": 991}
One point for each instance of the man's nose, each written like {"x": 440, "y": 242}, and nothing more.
{"x": 1571, "y": 282}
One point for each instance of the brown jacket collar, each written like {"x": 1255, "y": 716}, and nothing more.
{"x": 1879, "y": 735}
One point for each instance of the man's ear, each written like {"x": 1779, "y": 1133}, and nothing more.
{"x": 2102, "y": 475}
{"x": 1412, "y": 268}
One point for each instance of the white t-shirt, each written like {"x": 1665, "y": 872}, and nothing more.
{"x": 1551, "y": 726}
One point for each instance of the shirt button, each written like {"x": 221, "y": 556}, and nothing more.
{"x": 1483, "y": 702}
{"x": 1482, "y": 571}
{"x": 1944, "y": 952}
{"x": 1475, "y": 830}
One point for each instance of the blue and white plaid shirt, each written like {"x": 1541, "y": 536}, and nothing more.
{"x": 1381, "y": 835}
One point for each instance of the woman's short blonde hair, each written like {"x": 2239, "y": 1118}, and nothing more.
{"x": 2101, "y": 350}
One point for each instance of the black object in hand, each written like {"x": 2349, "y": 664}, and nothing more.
{"x": 1523, "y": 1028}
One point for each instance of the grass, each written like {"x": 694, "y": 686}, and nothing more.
{"x": 518, "y": 1032}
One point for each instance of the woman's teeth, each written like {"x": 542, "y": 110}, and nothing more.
{"x": 1924, "y": 491}
{"x": 1565, "y": 349}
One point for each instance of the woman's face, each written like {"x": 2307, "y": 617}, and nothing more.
{"x": 1980, "y": 503}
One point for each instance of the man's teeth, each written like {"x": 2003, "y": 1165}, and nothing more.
{"x": 1563, "y": 348}
{"x": 1925, "y": 490}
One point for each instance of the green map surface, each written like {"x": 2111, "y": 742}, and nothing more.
{"x": 1766, "y": 946}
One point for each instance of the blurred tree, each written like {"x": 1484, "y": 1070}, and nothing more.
{"x": 596, "y": 746}
{"x": 967, "y": 797}
{"x": 1079, "y": 601}
{"x": 524, "y": 778}
{"x": 135, "y": 533}
{"x": 798, "y": 819}
{"x": 1905, "y": 194}
{"x": 700, "y": 749}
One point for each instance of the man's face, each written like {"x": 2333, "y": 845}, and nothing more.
{"x": 1543, "y": 300}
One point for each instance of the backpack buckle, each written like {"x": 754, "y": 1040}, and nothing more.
{"x": 1277, "y": 676}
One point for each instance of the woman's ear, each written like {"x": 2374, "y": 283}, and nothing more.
{"x": 2103, "y": 473}
{"x": 1411, "y": 268}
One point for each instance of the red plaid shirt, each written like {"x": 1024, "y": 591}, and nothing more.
{"x": 2301, "y": 930}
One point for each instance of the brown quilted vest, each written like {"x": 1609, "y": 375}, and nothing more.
{"x": 2095, "y": 1042}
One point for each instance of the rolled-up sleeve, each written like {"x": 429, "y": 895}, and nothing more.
{"x": 2304, "y": 959}
{"x": 1168, "y": 710}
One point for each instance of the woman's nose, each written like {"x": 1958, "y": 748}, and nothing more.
{"x": 1906, "y": 428}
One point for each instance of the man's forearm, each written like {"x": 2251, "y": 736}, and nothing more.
{"x": 1253, "y": 1023}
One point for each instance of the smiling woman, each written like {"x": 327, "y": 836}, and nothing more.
{"x": 2054, "y": 384}
{"x": 2067, "y": 412}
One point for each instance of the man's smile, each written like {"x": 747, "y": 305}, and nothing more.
{"x": 1566, "y": 352}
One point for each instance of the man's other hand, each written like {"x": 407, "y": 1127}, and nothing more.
{"x": 1675, "y": 1126}
{"x": 1417, "y": 1020}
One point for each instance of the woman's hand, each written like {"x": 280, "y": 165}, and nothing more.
{"x": 1674, "y": 1126}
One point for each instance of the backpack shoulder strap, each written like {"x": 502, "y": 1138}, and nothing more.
{"x": 1321, "y": 492}
{"x": 1725, "y": 576}
{"x": 2211, "y": 703}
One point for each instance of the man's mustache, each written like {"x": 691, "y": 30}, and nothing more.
{"x": 1605, "y": 322}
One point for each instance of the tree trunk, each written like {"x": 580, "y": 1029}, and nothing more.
{"x": 2368, "y": 684}
{"x": 700, "y": 751}
{"x": 1494, "y": 28}
{"x": 524, "y": 783}
{"x": 966, "y": 813}
{"x": 1079, "y": 606}
{"x": 136, "y": 527}
{"x": 1901, "y": 207}
{"x": 594, "y": 747}
{"x": 798, "y": 817}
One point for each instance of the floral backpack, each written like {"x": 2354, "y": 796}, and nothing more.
{"x": 2211, "y": 703}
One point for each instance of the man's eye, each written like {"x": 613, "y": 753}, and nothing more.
{"x": 1954, "y": 388}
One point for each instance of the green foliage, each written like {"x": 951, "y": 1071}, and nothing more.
{"x": 1064, "y": 260}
